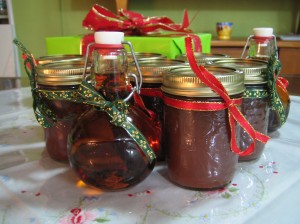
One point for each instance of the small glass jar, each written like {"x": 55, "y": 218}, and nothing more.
{"x": 152, "y": 73}
{"x": 256, "y": 101}
{"x": 203, "y": 58}
{"x": 60, "y": 76}
{"x": 103, "y": 154}
{"x": 198, "y": 152}
{"x": 261, "y": 46}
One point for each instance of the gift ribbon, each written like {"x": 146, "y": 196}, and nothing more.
{"x": 273, "y": 71}
{"x": 234, "y": 113}
{"x": 198, "y": 106}
{"x": 117, "y": 110}
{"x": 100, "y": 18}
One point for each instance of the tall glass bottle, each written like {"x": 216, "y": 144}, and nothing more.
{"x": 262, "y": 45}
{"x": 102, "y": 154}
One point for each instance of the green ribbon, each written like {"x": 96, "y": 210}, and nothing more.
{"x": 86, "y": 94}
{"x": 255, "y": 93}
{"x": 273, "y": 71}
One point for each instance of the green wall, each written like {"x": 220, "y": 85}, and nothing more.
{"x": 37, "y": 19}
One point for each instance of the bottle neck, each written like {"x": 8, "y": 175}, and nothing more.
{"x": 109, "y": 70}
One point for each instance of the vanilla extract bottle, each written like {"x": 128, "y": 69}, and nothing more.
{"x": 103, "y": 154}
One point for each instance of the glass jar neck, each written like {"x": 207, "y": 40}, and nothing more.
{"x": 109, "y": 71}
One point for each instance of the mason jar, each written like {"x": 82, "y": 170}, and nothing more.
{"x": 197, "y": 139}
{"x": 60, "y": 77}
{"x": 256, "y": 102}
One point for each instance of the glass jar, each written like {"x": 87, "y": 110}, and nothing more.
{"x": 151, "y": 94}
{"x": 198, "y": 151}
{"x": 262, "y": 45}
{"x": 203, "y": 58}
{"x": 256, "y": 101}
{"x": 101, "y": 153}
{"x": 60, "y": 76}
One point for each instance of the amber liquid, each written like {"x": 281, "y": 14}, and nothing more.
{"x": 104, "y": 155}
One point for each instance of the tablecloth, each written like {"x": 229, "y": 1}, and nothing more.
{"x": 35, "y": 189}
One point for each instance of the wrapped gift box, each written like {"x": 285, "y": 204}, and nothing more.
{"x": 168, "y": 46}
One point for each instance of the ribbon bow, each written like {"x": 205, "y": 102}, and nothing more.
{"x": 100, "y": 18}
{"x": 273, "y": 71}
{"x": 86, "y": 94}
{"x": 234, "y": 113}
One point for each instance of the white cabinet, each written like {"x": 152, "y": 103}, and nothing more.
{"x": 8, "y": 67}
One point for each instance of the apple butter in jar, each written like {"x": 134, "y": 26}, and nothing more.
{"x": 197, "y": 135}
{"x": 60, "y": 77}
{"x": 256, "y": 101}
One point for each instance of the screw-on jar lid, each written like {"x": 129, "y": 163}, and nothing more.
{"x": 182, "y": 81}
{"x": 144, "y": 56}
{"x": 61, "y": 73}
{"x": 153, "y": 70}
{"x": 58, "y": 58}
{"x": 203, "y": 58}
{"x": 254, "y": 70}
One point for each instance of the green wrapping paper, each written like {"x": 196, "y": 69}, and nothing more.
{"x": 170, "y": 46}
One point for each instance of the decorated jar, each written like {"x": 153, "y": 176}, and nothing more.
{"x": 111, "y": 146}
{"x": 152, "y": 72}
{"x": 262, "y": 46}
{"x": 256, "y": 100}
{"x": 196, "y": 128}
{"x": 54, "y": 82}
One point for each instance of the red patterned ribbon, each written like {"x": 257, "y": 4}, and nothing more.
{"x": 234, "y": 113}
{"x": 282, "y": 83}
{"x": 100, "y": 18}
{"x": 198, "y": 106}
{"x": 154, "y": 92}
{"x": 131, "y": 23}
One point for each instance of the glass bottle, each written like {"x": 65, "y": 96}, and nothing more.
{"x": 60, "y": 76}
{"x": 256, "y": 101}
{"x": 102, "y": 154}
{"x": 198, "y": 152}
{"x": 262, "y": 45}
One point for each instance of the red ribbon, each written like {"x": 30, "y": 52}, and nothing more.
{"x": 100, "y": 18}
{"x": 131, "y": 23}
{"x": 234, "y": 113}
{"x": 198, "y": 106}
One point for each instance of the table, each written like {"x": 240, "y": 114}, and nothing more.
{"x": 36, "y": 189}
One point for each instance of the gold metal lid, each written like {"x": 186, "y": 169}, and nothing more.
{"x": 153, "y": 69}
{"x": 59, "y": 57}
{"x": 61, "y": 73}
{"x": 254, "y": 70}
{"x": 182, "y": 81}
{"x": 203, "y": 58}
{"x": 145, "y": 55}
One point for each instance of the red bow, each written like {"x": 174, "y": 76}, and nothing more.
{"x": 100, "y": 18}
{"x": 234, "y": 113}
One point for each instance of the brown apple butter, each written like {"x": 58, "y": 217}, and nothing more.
{"x": 60, "y": 76}
{"x": 256, "y": 103}
{"x": 197, "y": 141}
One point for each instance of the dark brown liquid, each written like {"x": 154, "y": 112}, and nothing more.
{"x": 274, "y": 123}
{"x": 156, "y": 105}
{"x": 256, "y": 112}
{"x": 198, "y": 148}
{"x": 104, "y": 155}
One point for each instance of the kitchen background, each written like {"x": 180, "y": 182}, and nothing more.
{"x": 34, "y": 20}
